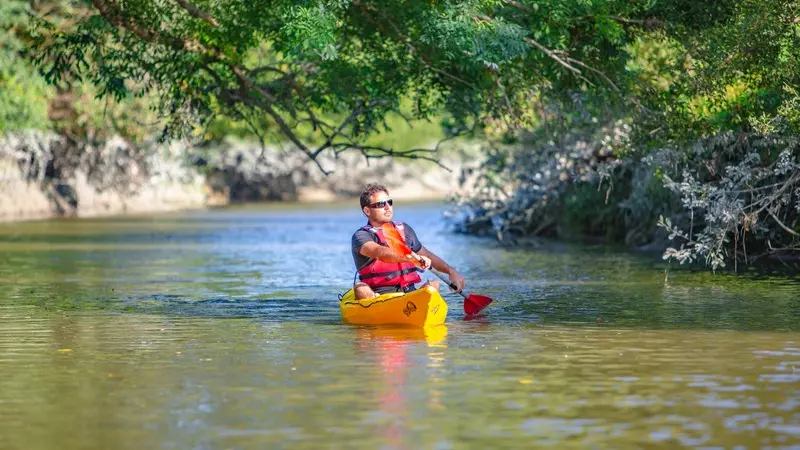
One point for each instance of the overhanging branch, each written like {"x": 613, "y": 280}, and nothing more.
{"x": 244, "y": 89}
{"x": 197, "y": 13}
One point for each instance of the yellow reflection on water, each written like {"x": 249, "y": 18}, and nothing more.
{"x": 394, "y": 350}
{"x": 433, "y": 336}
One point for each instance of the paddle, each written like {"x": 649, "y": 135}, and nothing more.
{"x": 473, "y": 303}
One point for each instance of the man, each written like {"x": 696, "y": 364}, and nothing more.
{"x": 380, "y": 269}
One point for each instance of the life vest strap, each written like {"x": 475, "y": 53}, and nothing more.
{"x": 389, "y": 275}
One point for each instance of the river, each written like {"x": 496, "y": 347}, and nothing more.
{"x": 221, "y": 330}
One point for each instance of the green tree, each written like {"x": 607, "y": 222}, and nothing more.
{"x": 23, "y": 93}
{"x": 325, "y": 74}
{"x": 715, "y": 122}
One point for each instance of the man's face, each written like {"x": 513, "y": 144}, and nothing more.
{"x": 379, "y": 212}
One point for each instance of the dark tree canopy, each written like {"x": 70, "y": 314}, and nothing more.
{"x": 325, "y": 74}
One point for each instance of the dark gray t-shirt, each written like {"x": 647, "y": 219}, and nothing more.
{"x": 362, "y": 236}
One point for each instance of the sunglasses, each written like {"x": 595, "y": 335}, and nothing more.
{"x": 381, "y": 204}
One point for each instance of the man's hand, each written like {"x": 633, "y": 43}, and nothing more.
{"x": 417, "y": 259}
{"x": 457, "y": 279}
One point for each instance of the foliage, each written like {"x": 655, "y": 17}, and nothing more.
{"x": 754, "y": 198}
{"x": 732, "y": 124}
{"x": 657, "y": 62}
{"x": 326, "y": 74}
{"x": 713, "y": 105}
{"x": 23, "y": 94}
{"x": 546, "y": 184}
{"x": 737, "y": 67}
{"x": 28, "y": 101}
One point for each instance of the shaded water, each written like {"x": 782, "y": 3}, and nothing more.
{"x": 221, "y": 329}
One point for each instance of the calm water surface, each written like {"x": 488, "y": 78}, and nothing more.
{"x": 221, "y": 329}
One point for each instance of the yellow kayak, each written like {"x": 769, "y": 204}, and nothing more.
{"x": 420, "y": 309}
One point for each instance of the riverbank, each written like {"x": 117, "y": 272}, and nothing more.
{"x": 45, "y": 175}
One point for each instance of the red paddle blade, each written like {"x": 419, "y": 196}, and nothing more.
{"x": 475, "y": 303}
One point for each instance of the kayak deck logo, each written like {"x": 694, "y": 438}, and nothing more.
{"x": 409, "y": 309}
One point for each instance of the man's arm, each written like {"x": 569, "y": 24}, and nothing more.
{"x": 376, "y": 251}
{"x": 364, "y": 245}
{"x": 442, "y": 266}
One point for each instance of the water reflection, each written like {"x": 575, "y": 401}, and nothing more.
{"x": 402, "y": 336}
{"x": 391, "y": 350}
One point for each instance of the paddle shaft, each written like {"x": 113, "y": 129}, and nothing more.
{"x": 441, "y": 277}
{"x": 452, "y": 285}
{"x": 473, "y": 304}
